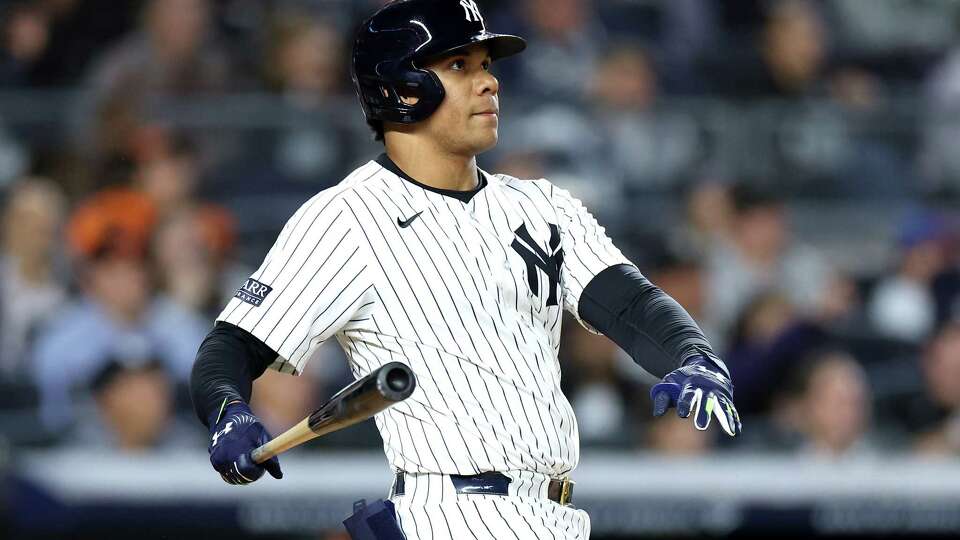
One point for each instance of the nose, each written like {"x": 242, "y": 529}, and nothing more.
{"x": 487, "y": 83}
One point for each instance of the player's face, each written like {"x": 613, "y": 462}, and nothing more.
{"x": 466, "y": 122}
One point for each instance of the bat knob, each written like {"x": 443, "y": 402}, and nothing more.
{"x": 397, "y": 381}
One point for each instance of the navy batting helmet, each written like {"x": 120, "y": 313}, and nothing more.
{"x": 393, "y": 40}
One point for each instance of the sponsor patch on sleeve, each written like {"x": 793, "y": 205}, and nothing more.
{"x": 253, "y": 292}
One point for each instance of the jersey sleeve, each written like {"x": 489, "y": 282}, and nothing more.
{"x": 312, "y": 282}
{"x": 587, "y": 250}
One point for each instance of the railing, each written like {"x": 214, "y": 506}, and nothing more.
{"x": 624, "y": 494}
{"x": 795, "y": 144}
{"x": 856, "y": 169}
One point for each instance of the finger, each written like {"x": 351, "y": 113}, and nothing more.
{"x": 703, "y": 409}
{"x": 736, "y": 415}
{"x": 724, "y": 417}
{"x": 272, "y": 466}
{"x": 240, "y": 475}
{"x": 661, "y": 402}
{"x": 685, "y": 403}
{"x": 664, "y": 396}
{"x": 732, "y": 411}
{"x": 245, "y": 466}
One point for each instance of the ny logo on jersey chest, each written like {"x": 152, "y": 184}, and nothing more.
{"x": 536, "y": 258}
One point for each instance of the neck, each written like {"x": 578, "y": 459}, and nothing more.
{"x": 432, "y": 166}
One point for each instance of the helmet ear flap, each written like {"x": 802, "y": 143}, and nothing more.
{"x": 393, "y": 103}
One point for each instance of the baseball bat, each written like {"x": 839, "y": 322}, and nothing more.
{"x": 361, "y": 399}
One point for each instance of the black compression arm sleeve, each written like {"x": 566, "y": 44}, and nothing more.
{"x": 624, "y": 306}
{"x": 228, "y": 361}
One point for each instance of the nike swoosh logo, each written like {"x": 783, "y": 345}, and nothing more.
{"x": 406, "y": 223}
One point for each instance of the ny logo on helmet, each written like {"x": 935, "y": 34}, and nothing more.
{"x": 471, "y": 10}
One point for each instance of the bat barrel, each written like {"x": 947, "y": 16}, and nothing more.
{"x": 395, "y": 381}
{"x": 365, "y": 397}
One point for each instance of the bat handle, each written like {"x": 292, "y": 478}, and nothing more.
{"x": 298, "y": 434}
{"x": 260, "y": 454}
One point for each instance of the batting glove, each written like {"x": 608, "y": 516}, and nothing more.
{"x": 233, "y": 437}
{"x": 700, "y": 386}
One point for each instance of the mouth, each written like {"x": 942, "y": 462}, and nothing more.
{"x": 489, "y": 112}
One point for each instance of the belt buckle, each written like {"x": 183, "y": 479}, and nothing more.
{"x": 566, "y": 491}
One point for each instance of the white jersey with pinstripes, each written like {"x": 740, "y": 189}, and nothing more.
{"x": 467, "y": 293}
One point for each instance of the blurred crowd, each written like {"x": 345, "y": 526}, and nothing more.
{"x": 710, "y": 136}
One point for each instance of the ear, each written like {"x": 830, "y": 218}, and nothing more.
{"x": 406, "y": 97}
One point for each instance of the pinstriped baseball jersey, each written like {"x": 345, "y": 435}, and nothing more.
{"x": 466, "y": 288}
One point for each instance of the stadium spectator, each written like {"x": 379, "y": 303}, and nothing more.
{"x": 653, "y": 148}
{"x": 193, "y": 241}
{"x": 304, "y": 65}
{"x": 564, "y": 45}
{"x": 791, "y": 55}
{"x": 173, "y": 54}
{"x": 833, "y": 411}
{"x": 682, "y": 275}
{"x": 304, "y": 58}
{"x": 166, "y": 171}
{"x": 108, "y": 235}
{"x": 760, "y": 257}
{"x": 903, "y": 305}
{"x": 32, "y": 281}
{"x": 25, "y": 31}
{"x": 190, "y": 250}
{"x": 941, "y": 370}
{"x": 860, "y": 161}
{"x": 51, "y": 42}
{"x": 678, "y": 33}
{"x": 132, "y": 406}
{"x": 769, "y": 341}
{"x": 707, "y": 219}
{"x": 793, "y": 47}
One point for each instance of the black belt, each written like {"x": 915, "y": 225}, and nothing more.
{"x": 495, "y": 483}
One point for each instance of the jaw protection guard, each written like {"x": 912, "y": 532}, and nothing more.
{"x": 391, "y": 43}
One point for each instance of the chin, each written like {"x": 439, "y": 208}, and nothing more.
{"x": 487, "y": 142}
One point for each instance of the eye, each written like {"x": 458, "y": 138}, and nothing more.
{"x": 486, "y": 65}
{"x": 459, "y": 64}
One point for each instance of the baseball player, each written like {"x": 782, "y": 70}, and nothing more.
{"x": 421, "y": 257}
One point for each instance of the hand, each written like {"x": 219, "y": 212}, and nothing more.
{"x": 699, "y": 386}
{"x": 232, "y": 439}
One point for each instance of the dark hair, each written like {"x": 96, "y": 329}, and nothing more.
{"x": 115, "y": 366}
{"x": 801, "y": 374}
{"x": 377, "y": 127}
{"x": 747, "y": 196}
